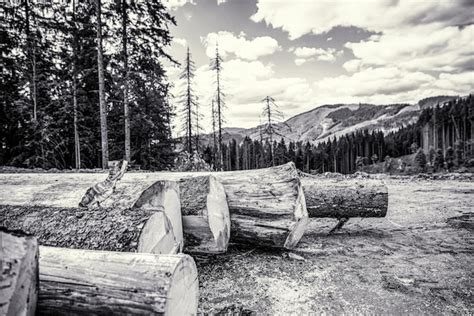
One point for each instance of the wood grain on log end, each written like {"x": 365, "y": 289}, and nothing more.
{"x": 301, "y": 217}
{"x": 206, "y": 218}
{"x": 164, "y": 196}
{"x": 18, "y": 273}
{"x": 114, "y": 283}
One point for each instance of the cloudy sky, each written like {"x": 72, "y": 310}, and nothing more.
{"x": 306, "y": 53}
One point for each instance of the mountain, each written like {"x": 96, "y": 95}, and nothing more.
{"x": 335, "y": 120}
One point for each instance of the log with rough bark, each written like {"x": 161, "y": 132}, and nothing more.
{"x": 18, "y": 273}
{"x": 344, "y": 197}
{"x": 206, "y": 219}
{"x": 267, "y": 206}
{"x": 114, "y": 283}
{"x": 139, "y": 230}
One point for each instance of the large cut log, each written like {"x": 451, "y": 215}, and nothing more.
{"x": 139, "y": 230}
{"x": 267, "y": 206}
{"x": 82, "y": 282}
{"x": 344, "y": 198}
{"x": 206, "y": 219}
{"x": 18, "y": 273}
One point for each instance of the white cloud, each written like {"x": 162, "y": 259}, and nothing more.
{"x": 219, "y": 2}
{"x": 176, "y": 4}
{"x": 180, "y": 41}
{"x": 300, "y": 61}
{"x": 239, "y": 45}
{"x": 305, "y": 54}
{"x": 298, "y": 17}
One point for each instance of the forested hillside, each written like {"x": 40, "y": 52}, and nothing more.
{"x": 353, "y": 150}
{"x": 82, "y": 83}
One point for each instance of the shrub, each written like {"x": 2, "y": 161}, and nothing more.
{"x": 420, "y": 160}
{"x": 449, "y": 159}
{"x": 190, "y": 162}
{"x": 438, "y": 163}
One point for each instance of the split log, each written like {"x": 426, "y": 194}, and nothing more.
{"x": 139, "y": 230}
{"x": 206, "y": 219}
{"x": 19, "y": 273}
{"x": 344, "y": 198}
{"x": 104, "y": 189}
{"x": 82, "y": 282}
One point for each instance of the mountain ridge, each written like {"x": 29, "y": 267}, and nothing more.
{"x": 335, "y": 120}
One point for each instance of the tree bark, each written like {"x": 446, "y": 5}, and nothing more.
{"x": 336, "y": 198}
{"x": 267, "y": 206}
{"x": 102, "y": 104}
{"x": 126, "y": 113}
{"x": 19, "y": 273}
{"x": 137, "y": 230}
{"x": 112, "y": 283}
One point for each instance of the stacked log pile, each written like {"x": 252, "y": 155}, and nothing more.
{"x": 128, "y": 230}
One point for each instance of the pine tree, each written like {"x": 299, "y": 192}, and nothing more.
{"x": 272, "y": 115}
{"x": 420, "y": 160}
{"x": 126, "y": 111}
{"x": 216, "y": 65}
{"x": 190, "y": 105}
{"x": 102, "y": 104}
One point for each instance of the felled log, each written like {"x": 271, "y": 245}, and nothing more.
{"x": 139, "y": 230}
{"x": 267, "y": 206}
{"x": 344, "y": 198}
{"x": 19, "y": 273}
{"x": 82, "y": 282}
{"x": 205, "y": 215}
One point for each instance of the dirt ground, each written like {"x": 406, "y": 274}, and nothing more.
{"x": 418, "y": 260}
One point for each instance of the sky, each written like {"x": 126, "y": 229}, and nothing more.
{"x": 307, "y": 53}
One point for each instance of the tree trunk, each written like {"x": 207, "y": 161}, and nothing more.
{"x": 336, "y": 198}
{"x": 102, "y": 104}
{"x": 77, "y": 144}
{"x": 206, "y": 220}
{"x": 112, "y": 283}
{"x": 19, "y": 273}
{"x": 126, "y": 113}
{"x": 137, "y": 230}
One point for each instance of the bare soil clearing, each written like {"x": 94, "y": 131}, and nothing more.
{"x": 417, "y": 260}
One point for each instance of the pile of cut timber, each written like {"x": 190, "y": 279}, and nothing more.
{"x": 269, "y": 207}
{"x": 73, "y": 282}
{"x": 127, "y": 231}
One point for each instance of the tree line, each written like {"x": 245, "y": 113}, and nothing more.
{"x": 82, "y": 83}
{"x": 350, "y": 152}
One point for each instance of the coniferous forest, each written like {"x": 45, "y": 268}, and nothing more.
{"x": 454, "y": 122}
{"x": 83, "y": 83}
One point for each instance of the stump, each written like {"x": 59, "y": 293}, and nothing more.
{"x": 19, "y": 273}
{"x": 113, "y": 283}
{"x": 344, "y": 198}
{"x": 99, "y": 229}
